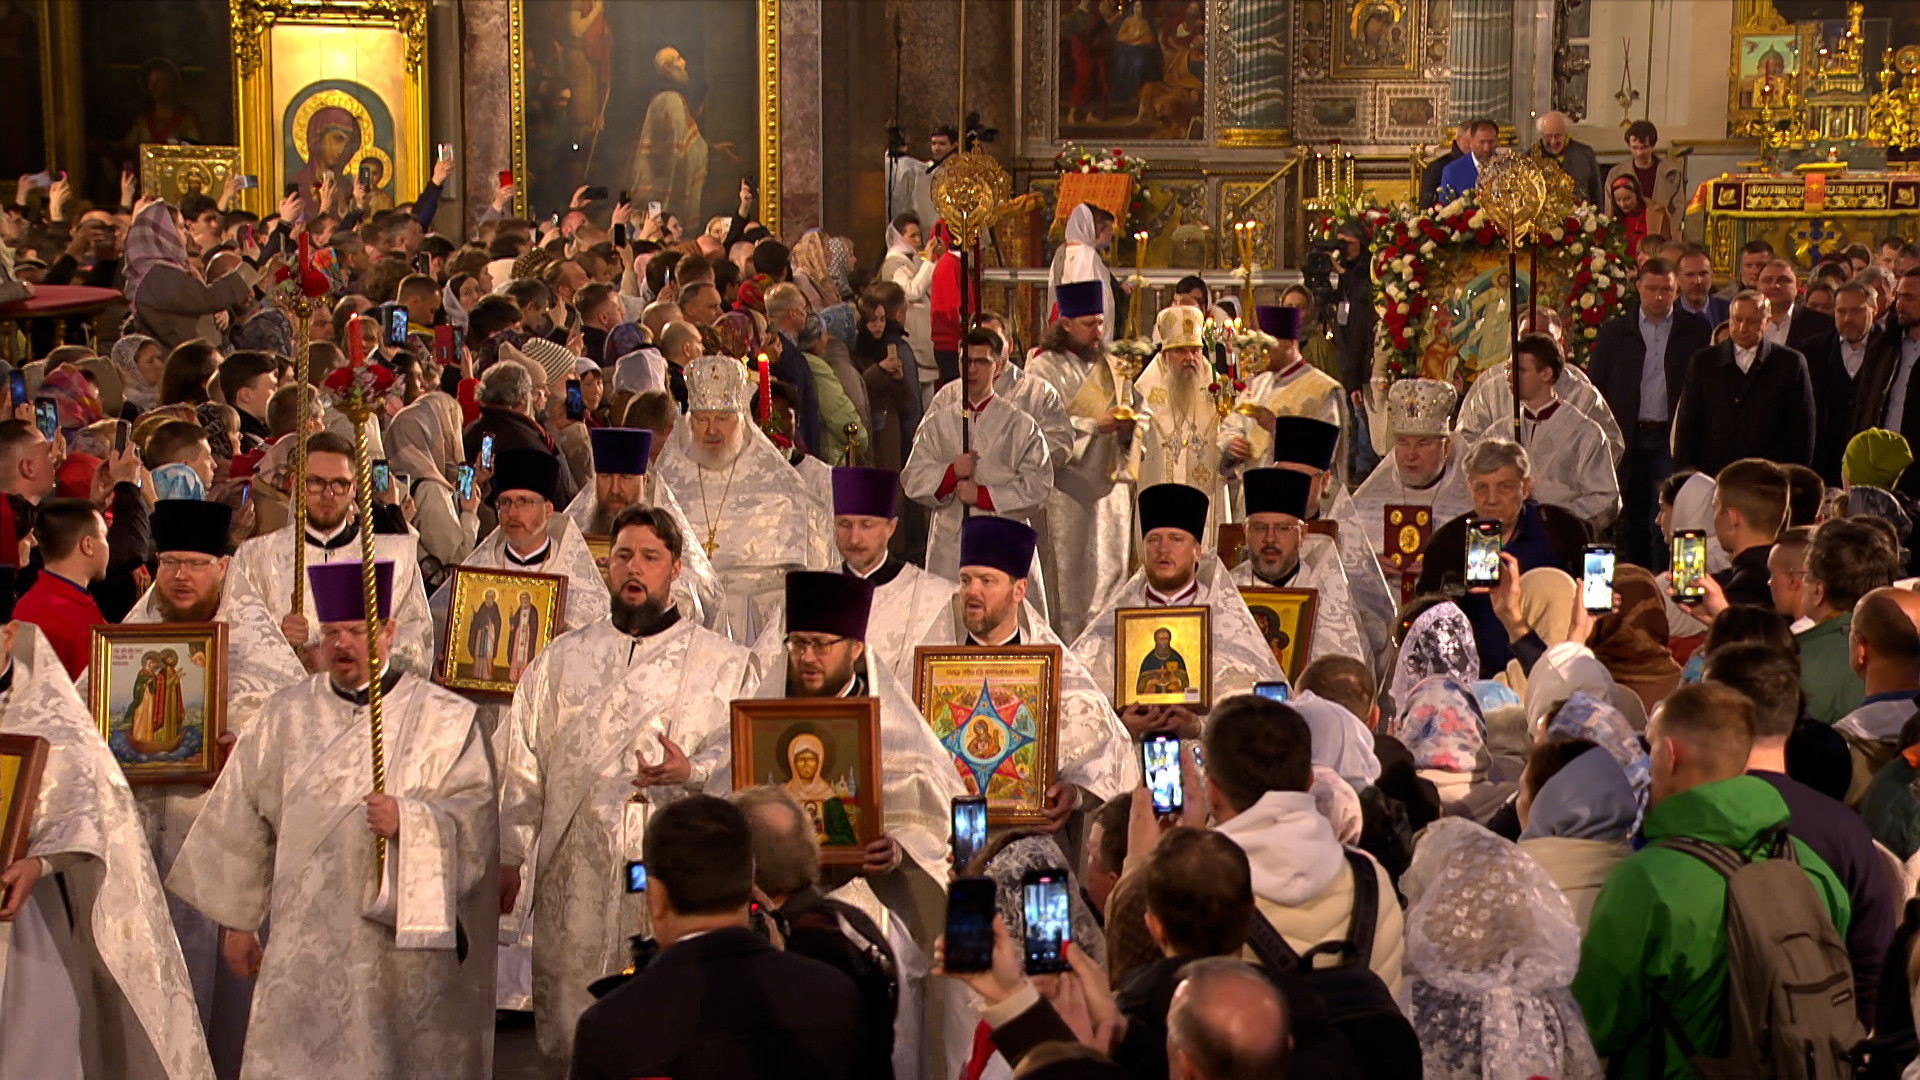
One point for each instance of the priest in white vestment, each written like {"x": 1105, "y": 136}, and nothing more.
{"x": 1091, "y": 749}
{"x": 1572, "y": 468}
{"x": 262, "y": 570}
{"x": 1090, "y": 512}
{"x": 983, "y": 456}
{"x": 620, "y": 480}
{"x": 750, "y": 515}
{"x": 636, "y": 700}
{"x": 1281, "y": 554}
{"x": 532, "y": 539}
{"x": 1307, "y": 446}
{"x": 1177, "y": 571}
{"x": 1288, "y": 387}
{"x": 1088, "y": 232}
{"x": 190, "y": 541}
{"x": 382, "y": 975}
{"x": 1422, "y": 472}
{"x": 108, "y": 996}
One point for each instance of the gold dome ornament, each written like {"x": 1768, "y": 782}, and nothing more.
{"x": 1514, "y": 191}
{"x": 968, "y": 191}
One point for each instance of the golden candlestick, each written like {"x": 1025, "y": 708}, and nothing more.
{"x": 1138, "y": 282}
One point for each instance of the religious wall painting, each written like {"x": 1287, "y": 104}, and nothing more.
{"x": 1758, "y": 58}
{"x": 497, "y": 622}
{"x": 1285, "y": 619}
{"x": 22, "y": 759}
{"x": 335, "y": 91}
{"x": 671, "y": 101}
{"x": 1163, "y": 656}
{"x": 1131, "y": 70}
{"x": 825, "y": 753}
{"x": 1333, "y": 111}
{"x": 1374, "y": 39}
{"x": 158, "y": 694}
{"x": 171, "y": 83}
{"x": 995, "y": 710}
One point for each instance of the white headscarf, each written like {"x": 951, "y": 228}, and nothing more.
{"x": 1341, "y": 742}
{"x": 1693, "y": 509}
{"x": 1077, "y": 259}
{"x": 1561, "y": 671}
{"x": 1440, "y": 642}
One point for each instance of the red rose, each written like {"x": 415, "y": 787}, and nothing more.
{"x": 1591, "y": 316}
{"x": 1484, "y": 235}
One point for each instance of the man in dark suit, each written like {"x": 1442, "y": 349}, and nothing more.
{"x": 1835, "y": 372}
{"x": 1789, "y": 321}
{"x": 1886, "y": 394}
{"x": 1695, "y": 278}
{"x": 1745, "y": 397}
{"x": 1639, "y": 363}
{"x": 1430, "y": 176}
{"x": 1574, "y": 156}
{"x": 719, "y": 1001}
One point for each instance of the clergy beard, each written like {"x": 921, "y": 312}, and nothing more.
{"x": 986, "y": 623}
{"x": 1271, "y": 565}
{"x": 638, "y": 620}
{"x": 1182, "y": 385}
{"x": 708, "y": 458}
{"x": 200, "y": 611}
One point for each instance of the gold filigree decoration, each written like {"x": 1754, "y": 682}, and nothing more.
{"x": 968, "y": 191}
{"x": 251, "y": 19}
{"x": 1514, "y": 191}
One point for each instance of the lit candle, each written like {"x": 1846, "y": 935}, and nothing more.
{"x": 766, "y": 389}
{"x": 1140, "y": 250}
{"x": 356, "y": 348}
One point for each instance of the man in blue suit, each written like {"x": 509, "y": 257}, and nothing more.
{"x": 1458, "y": 178}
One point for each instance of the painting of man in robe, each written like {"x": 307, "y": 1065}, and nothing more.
{"x": 483, "y": 636}
{"x": 1132, "y": 69}
{"x": 150, "y": 697}
{"x": 1163, "y": 656}
{"x": 498, "y": 621}
{"x": 657, "y": 99}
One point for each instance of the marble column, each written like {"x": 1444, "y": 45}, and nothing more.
{"x": 486, "y": 89}
{"x": 1482, "y": 55}
{"x": 1257, "y": 77}
{"x": 799, "y": 117}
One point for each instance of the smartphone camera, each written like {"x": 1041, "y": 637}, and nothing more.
{"x": 1272, "y": 691}
{"x": 636, "y": 877}
{"x": 1483, "y": 554}
{"x": 248, "y": 183}
{"x": 16, "y": 388}
{"x": 393, "y": 319}
{"x": 1160, "y": 763}
{"x": 486, "y": 452}
{"x": 969, "y": 828}
{"x": 1596, "y": 578}
{"x": 466, "y": 482}
{"x": 382, "y": 479}
{"x": 1689, "y": 565}
{"x": 1047, "y": 906}
{"x": 46, "y": 416}
{"x": 576, "y": 405}
{"x": 972, "y": 902}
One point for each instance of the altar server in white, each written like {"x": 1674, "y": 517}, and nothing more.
{"x": 1572, "y": 467}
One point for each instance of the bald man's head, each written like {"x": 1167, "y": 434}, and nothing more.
{"x": 1886, "y": 629}
{"x": 657, "y": 315}
{"x": 1227, "y": 1020}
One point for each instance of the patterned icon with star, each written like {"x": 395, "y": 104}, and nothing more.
{"x": 986, "y": 737}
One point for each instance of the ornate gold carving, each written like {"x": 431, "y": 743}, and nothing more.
{"x": 253, "y": 18}
{"x": 170, "y": 172}
{"x": 968, "y": 191}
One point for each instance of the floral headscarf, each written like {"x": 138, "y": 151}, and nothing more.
{"x": 810, "y": 257}
{"x": 739, "y": 334}
{"x": 1442, "y": 726}
{"x": 152, "y": 240}
{"x": 134, "y": 386}
{"x": 75, "y": 397}
{"x": 1585, "y": 716}
{"x": 1440, "y": 642}
{"x": 213, "y": 420}
{"x": 839, "y": 320}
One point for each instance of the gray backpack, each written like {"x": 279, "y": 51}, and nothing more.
{"x": 1790, "y": 1004}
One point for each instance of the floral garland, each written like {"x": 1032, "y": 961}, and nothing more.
{"x": 1075, "y": 158}
{"x": 1407, "y": 245}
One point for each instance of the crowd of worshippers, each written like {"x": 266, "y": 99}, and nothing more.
{"x": 1594, "y": 753}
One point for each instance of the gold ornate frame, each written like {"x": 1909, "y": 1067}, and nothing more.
{"x": 170, "y": 172}
{"x": 767, "y": 29}
{"x": 931, "y": 664}
{"x": 1751, "y": 18}
{"x": 203, "y": 767}
{"x": 257, "y": 117}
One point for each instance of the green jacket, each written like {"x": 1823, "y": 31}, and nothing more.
{"x": 1826, "y": 678}
{"x": 1657, "y": 939}
{"x": 836, "y": 412}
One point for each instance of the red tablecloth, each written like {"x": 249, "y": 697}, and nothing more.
{"x": 50, "y": 300}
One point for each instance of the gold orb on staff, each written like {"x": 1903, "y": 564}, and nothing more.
{"x": 968, "y": 191}
{"x": 1513, "y": 192}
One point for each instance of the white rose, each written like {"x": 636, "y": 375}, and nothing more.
{"x": 1558, "y": 233}
{"x": 1589, "y": 332}
{"x": 1477, "y": 221}
{"x": 1427, "y": 248}
{"x": 1586, "y": 300}
{"x": 1576, "y": 247}
{"x": 1602, "y": 280}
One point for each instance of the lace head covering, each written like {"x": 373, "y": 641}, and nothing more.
{"x": 838, "y": 320}
{"x": 212, "y": 417}
{"x": 1340, "y": 741}
{"x": 134, "y": 386}
{"x": 1631, "y": 642}
{"x": 1492, "y": 947}
{"x": 1337, "y": 802}
{"x": 840, "y": 265}
{"x": 1442, "y": 726}
{"x": 810, "y": 257}
{"x": 1011, "y": 863}
{"x": 1440, "y": 642}
{"x": 178, "y": 481}
{"x": 1585, "y": 716}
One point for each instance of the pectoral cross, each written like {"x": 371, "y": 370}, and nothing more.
{"x": 711, "y": 545}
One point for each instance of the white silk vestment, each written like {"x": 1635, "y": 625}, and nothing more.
{"x": 817, "y": 475}
{"x": 1091, "y": 747}
{"x": 1179, "y": 440}
{"x": 262, "y": 572}
{"x": 1240, "y": 656}
{"x": 1031, "y": 395}
{"x": 764, "y": 524}
{"x": 1086, "y": 548}
{"x": 1013, "y": 468}
{"x": 696, "y": 591}
{"x": 117, "y": 966}
{"x": 361, "y": 977}
{"x": 1077, "y": 259}
{"x": 1375, "y": 606}
{"x": 1487, "y": 409}
{"x": 567, "y": 556}
{"x": 589, "y": 701}
{"x": 1336, "y": 631}
{"x": 1571, "y": 465}
{"x": 1447, "y": 496}
{"x": 1302, "y": 391}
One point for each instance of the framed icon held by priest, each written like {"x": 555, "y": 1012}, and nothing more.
{"x": 158, "y": 693}
{"x": 994, "y": 710}
{"x": 497, "y": 622}
{"x": 601, "y": 548}
{"x": 22, "y": 757}
{"x": 825, "y": 753}
{"x": 1164, "y": 657}
{"x": 1285, "y": 619}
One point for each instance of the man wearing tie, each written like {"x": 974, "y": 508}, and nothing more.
{"x": 1886, "y": 387}
{"x": 1639, "y": 364}
{"x": 1458, "y": 178}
